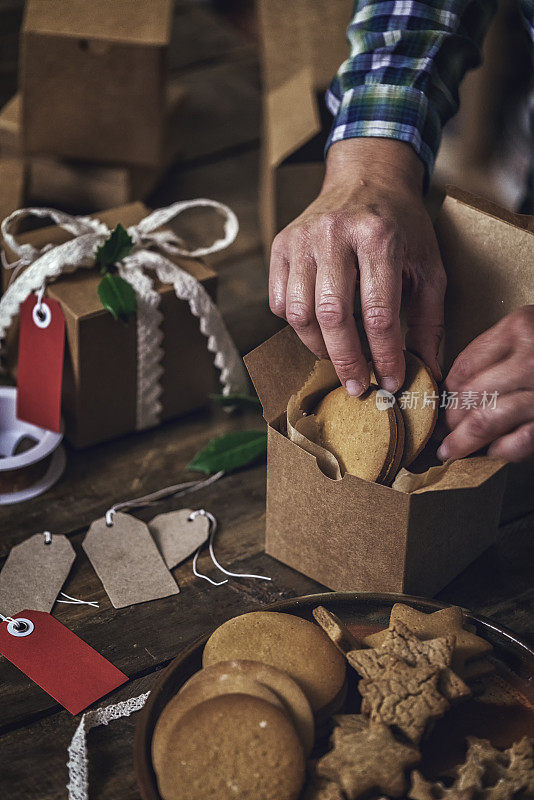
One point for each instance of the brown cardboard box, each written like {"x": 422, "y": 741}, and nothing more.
{"x": 303, "y": 44}
{"x": 93, "y": 78}
{"x": 12, "y": 184}
{"x": 353, "y": 534}
{"x": 99, "y": 381}
{"x": 89, "y": 187}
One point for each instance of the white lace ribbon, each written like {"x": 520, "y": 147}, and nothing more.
{"x": 78, "y": 764}
{"x": 48, "y": 263}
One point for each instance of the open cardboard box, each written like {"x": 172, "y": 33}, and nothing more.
{"x": 100, "y": 369}
{"x": 93, "y": 78}
{"x": 303, "y": 43}
{"x": 351, "y": 534}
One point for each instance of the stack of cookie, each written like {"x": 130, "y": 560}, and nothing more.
{"x": 244, "y": 725}
{"x": 371, "y": 436}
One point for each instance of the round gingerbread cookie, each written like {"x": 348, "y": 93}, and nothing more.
{"x": 232, "y": 747}
{"x": 287, "y": 642}
{"x": 398, "y": 456}
{"x": 285, "y": 688}
{"x": 419, "y": 418}
{"x": 361, "y": 435}
{"x": 192, "y": 695}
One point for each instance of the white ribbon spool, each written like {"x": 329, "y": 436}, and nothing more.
{"x": 48, "y": 263}
{"x": 30, "y": 473}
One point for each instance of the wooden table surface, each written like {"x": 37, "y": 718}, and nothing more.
{"x": 219, "y": 161}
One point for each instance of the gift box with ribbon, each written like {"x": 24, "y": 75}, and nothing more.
{"x": 124, "y": 376}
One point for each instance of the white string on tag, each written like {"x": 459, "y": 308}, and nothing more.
{"x": 74, "y": 601}
{"x": 213, "y": 529}
{"x": 7, "y": 619}
{"x": 70, "y": 600}
{"x": 78, "y": 785}
{"x": 177, "y": 490}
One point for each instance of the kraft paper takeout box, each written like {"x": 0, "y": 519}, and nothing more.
{"x": 99, "y": 378}
{"x": 84, "y": 186}
{"x": 303, "y": 44}
{"x": 93, "y": 78}
{"x": 352, "y": 534}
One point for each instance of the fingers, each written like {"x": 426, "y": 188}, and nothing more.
{"x": 300, "y": 301}
{"x": 499, "y": 379}
{"x": 482, "y": 426}
{"x": 380, "y": 291}
{"x": 424, "y": 315}
{"x": 516, "y": 446}
{"x": 278, "y": 277}
{"x": 484, "y": 352}
{"x": 334, "y": 310}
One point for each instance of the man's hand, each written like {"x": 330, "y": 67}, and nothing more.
{"x": 499, "y": 360}
{"x": 368, "y": 223}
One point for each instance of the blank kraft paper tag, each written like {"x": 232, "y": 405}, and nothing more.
{"x": 61, "y": 663}
{"x": 40, "y": 363}
{"x": 127, "y": 561}
{"x": 177, "y": 536}
{"x": 34, "y": 573}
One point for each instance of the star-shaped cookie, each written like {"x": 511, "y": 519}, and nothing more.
{"x": 405, "y": 698}
{"x": 365, "y": 757}
{"x": 335, "y": 629}
{"x": 400, "y": 643}
{"x": 446, "y": 622}
{"x": 486, "y": 774}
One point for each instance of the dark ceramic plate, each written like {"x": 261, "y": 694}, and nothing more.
{"x": 502, "y": 709}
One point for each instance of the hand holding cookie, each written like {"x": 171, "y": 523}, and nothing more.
{"x": 366, "y": 234}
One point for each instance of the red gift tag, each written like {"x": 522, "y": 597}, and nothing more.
{"x": 40, "y": 364}
{"x": 58, "y": 661}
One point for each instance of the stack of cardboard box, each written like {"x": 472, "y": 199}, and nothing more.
{"x": 96, "y": 120}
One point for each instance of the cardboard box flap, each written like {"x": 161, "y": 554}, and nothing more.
{"x": 79, "y": 294}
{"x": 143, "y": 22}
{"x": 466, "y": 473}
{"x": 291, "y": 117}
{"x": 303, "y": 33}
{"x": 487, "y": 253}
{"x": 278, "y": 368}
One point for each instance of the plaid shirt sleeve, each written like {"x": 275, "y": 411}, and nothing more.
{"x": 407, "y": 60}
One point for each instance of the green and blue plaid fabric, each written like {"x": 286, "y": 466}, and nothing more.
{"x": 407, "y": 60}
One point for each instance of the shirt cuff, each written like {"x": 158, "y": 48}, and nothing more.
{"x": 387, "y": 112}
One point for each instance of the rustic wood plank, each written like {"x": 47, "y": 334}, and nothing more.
{"x": 102, "y": 475}
{"x": 34, "y": 759}
{"x": 129, "y": 637}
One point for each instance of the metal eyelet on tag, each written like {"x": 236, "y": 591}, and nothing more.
{"x": 28, "y": 627}
{"x": 42, "y": 315}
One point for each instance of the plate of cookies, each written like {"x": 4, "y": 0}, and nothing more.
{"x": 341, "y": 696}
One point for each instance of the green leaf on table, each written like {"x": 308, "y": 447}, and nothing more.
{"x": 230, "y": 452}
{"x": 241, "y": 400}
{"x": 117, "y": 296}
{"x": 117, "y": 246}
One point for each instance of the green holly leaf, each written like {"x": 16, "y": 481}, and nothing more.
{"x": 240, "y": 400}
{"x": 117, "y": 296}
{"x": 116, "y": 247}
{"x": 230, "y": 452}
